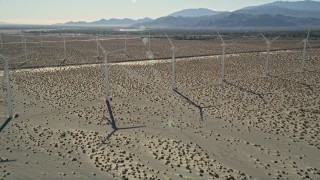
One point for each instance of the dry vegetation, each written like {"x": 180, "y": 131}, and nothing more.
{"x": 83, "y": 49}
{"x": 249, "y": 127}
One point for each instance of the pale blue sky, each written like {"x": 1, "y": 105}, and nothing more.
{"x": 59, "y": 11}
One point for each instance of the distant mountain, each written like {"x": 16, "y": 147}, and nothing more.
{"x": 77, "y": 23}
{"x": 243, "y": 20}
{"x": 306, "y": 5}
{"x": 111, "y": 22}
{"x": 230, "y": 20}
{"x": 300, "y": 9}
{"x": 195, "y": 13}
{"x": 277, "y": 14}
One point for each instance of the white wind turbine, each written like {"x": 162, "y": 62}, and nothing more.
{"x": 24, "y": 45}
{"x": 125, "y": 43}
{"x": 7, "y": 80}
{"x": 64, "y": 48}
{"x": 224, "y": 45}
{"x": 305, "y": 42}
{"x": 147, "y": 40}
{"x": 268, "y": 42}
{"x": 1, "y": 43}
{"x": 97, "y": 41}
{"x": 41, "y": 39}
{"x": 106, "y": 83}
{"x": 173, "y": 62}
{"x": 149, "y": 37}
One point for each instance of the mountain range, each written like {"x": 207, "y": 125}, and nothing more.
{"x": 195, "y": 13}
{"x": 276, "y": 14}
{"x": 111, "y": 22}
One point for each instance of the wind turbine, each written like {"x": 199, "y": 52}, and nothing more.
{"x": 97, "y": 41}
{"x": 41, "y": 39}
{"x": 149, "y": 41}
{"x": 64, "y": 48}
{"x": 24, "y": 45}
{"x": 146, "y": 40}
{"x": 125, "y": 43}
{"x": 268, "y": 42}
{"x": 1, "y": 43}
{"x": 305, "y": 42}
{"x": 7, "y": 80}
{"x": 106, "y": 84}
{"x": 173, "y": 62}
{"x": 224, "y": 45}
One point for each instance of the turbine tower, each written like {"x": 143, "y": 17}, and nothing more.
{"x": 7, "y": 79}
{"x": 97, "y": 41}
{"x": 305, "y": 42}
{"x": 125, "y": 43}
{"x": 268, "y": 42}
{"x": 149, "y": 41}
{"x": 106, "y": 84}
{"x": 1, "y": 43}
{"x": 224, "y": 45}
{"x": 41, "y": 39}
{"x": 173, "y": 63}
{"x": 24, "y": 45}
{"x": 64, "y": 48}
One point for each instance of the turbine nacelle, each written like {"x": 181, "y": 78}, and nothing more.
{"x": 268, "y": 41}
{"x": 171, "y": 43}
{"x": 306, "y": 40}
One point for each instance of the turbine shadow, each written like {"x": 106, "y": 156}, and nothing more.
{"x": 309, "y": 86}
{"x": 260, "y": 95}
{"x": 5, "y": 124}
{"x": 312, "y": 71}
{"x": 7, "y": 161}
{"x": 109, "y": 109}
{"x": 103, "y": 141}
{"x": 22, "y": 64}
{"x": 194, "y": 104}
{"x": 63, "y": 61}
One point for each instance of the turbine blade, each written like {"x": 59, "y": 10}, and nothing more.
{"x": 100, "y": 46}
{"x": 264, "y": 37}
{"x": 183, "y": 47}
{"x": 169, "y": 40}
{"x": 231, "y": 44}
{"x": 17, "y": 56}
{"x": 309, "y": 44}
{"x": 13, "y": 57}
{"x": 308, "y": 35}
{"x": 275, "y": 38}
{"x": 118, "y": 50}
{"x": 221, "y": 38}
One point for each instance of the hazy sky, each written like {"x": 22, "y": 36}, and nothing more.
{"x": 59, "y": 11}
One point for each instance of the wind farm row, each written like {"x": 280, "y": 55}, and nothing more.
{"x": 154, "y": 107}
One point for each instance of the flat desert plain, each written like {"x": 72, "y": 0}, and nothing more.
{"x": 250, "y": 126}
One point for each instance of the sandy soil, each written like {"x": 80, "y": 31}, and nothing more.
{"x": 250, "y": 127}
{"x": 83, "y": 50}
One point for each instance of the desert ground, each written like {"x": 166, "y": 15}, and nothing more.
{"x": 250, "y": 126}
